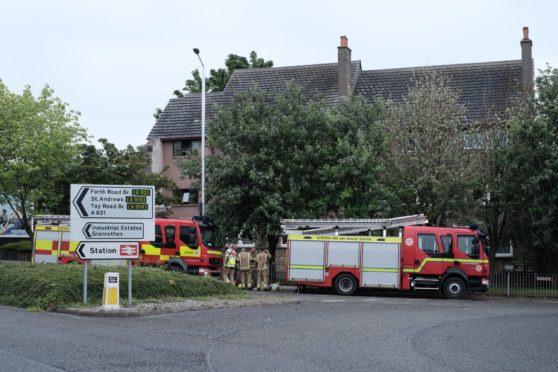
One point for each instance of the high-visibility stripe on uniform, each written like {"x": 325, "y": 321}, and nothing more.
{"x": 379, "y": 270}
{"x": 307, "y": 267}
{"x": 460, "y": 260}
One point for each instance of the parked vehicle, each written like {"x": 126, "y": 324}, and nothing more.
{"x": 181, "y": 245}
{"x": 448, "y": 260}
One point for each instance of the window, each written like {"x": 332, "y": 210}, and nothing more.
{"x": 187, "y": 196}
{"x": 169, "y": 233}
{"x": 188, "y": 236}
{"x": 158, "y": 236}
{"x": 428, "y": 243}
{"x": 465, "y": 244}
{"x": 446, "y": 242}
{"x": 504, "y": 250}
{"x": 179, "y": 148}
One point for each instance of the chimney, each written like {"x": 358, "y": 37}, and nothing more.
{"x": 528, "y": 69}
{"x": 344, "y": 67}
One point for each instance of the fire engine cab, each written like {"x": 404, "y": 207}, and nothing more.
{"x": 182, "y": 245}
{"x": 422, "y": 258}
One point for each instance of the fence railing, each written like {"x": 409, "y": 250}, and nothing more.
{"x": 15, "y": 256}
{"x": 524, "y": 284}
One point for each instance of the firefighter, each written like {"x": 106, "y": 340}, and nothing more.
{"x": 263, "y": 269}
{"x": 253, "y": 266}
{"x": 226, "y": 254}
{"x": 244, "y": 268}
{"x": 229, "y": 264}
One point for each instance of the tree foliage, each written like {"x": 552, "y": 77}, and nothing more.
{"x": 108, "y": 165}
{"x": 533, "y": 157}
{"x": 38, "y": 142}
{"x": 428, "y": 163}
{"x": 354, "y": 175}
{"x": 289, "y": 156}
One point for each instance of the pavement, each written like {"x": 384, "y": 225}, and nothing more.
{"x": 285, "y": 295}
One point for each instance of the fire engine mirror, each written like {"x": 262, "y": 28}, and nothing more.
{"x": 476, "y": 247}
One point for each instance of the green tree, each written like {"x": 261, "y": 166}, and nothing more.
{"x": 429, "y": 170}
{"x": 38, "y": 141}
{"x": 288, "y": 156}
{"x": 270, "y": 149}
{"x": 108, "y": 165}
{"x": 533, "y": 156}
{"x": 354, "y": 173}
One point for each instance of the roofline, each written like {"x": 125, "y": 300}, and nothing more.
{"x": 246, "y": 70}
{"x": 457, "y": 65}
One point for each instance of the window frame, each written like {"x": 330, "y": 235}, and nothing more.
{"x": 419, "y": 243}
{"x": 195, "y": 234}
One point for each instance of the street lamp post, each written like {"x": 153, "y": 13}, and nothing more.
{"x": 202, "y": 205}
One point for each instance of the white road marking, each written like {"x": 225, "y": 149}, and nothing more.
{"x": 333, "y": 300}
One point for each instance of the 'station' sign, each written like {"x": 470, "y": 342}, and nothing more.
{"x": 107, "y": 250}
{"x": 104, "y": 217}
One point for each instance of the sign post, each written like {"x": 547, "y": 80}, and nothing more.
{"x": 109, "y": 221}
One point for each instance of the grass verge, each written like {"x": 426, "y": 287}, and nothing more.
{"x": 52, "y": 287}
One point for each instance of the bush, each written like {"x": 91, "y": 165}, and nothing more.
{"x": 51, "y": 287}
{"x": 18, "y": 246}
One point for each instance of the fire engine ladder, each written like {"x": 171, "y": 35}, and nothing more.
{"x": 348, "y": 226}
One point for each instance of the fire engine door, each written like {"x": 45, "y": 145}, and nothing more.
{"x": 169, "y": 248}
{"x": 467, "y": 255}
{"x": 306, "y": 260}
{"x": 428, "y": 254}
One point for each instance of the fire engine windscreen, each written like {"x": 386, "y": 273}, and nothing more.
{"x": 209, "y": 236}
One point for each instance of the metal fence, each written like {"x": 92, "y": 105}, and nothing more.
{"x": 15, "y": 256}
{"x": 524, "y": 284}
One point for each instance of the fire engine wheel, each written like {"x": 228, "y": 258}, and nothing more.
{"x": 345, "y": 285}
{"x": 454, "y": 288}
{"x": 176, "y": 268}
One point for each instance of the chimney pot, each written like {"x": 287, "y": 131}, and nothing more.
{"x": 344, "y": 67}
{"x": 525, "y": 33}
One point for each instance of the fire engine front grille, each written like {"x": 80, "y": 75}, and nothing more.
{"x": 214, "y": 261}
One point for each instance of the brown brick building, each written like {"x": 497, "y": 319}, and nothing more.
{"x": 487, "y": 89}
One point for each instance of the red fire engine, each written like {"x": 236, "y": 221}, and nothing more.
{"x": 181, "y": 245}
{"x": 449, "y": 260}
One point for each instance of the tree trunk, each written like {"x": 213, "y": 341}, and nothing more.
{"x": 272, "y": 241}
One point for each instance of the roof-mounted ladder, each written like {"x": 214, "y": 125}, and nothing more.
{"x": 348, "y": 226}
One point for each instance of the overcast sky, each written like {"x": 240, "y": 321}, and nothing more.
{"x": 116, "y": 61}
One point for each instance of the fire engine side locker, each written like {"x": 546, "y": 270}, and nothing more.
{"x": 381, "y": 263}
{"x": 306, "y": 260}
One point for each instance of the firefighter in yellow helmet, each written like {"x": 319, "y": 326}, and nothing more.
{"x": 244, "y": 267}
{"x": 263, "y": 258}
{"x": 229, "y": 263}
